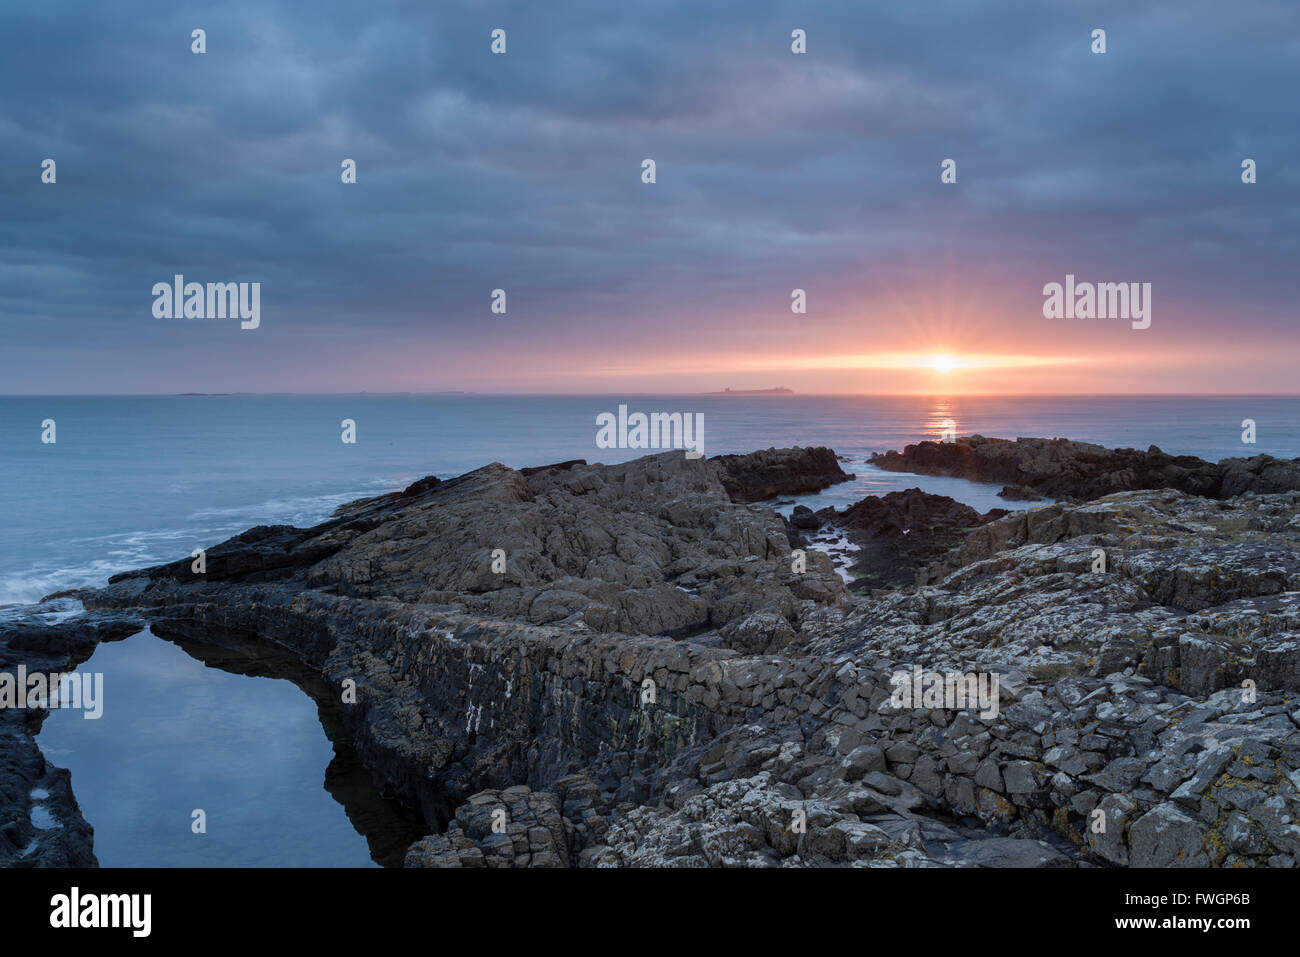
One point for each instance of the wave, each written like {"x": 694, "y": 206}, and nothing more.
{"x": 297, "y": 510}
{"x": 107, "y": 555}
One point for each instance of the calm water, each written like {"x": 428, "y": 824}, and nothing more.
{"x": 177, "y": 734}
{"x": 134, "y": 481}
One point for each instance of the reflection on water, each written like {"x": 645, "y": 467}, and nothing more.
{"x": 941, "y": 422}
{"x": 188, "y": 726}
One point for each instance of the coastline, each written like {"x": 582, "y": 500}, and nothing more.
{"x": 524, "y": 688}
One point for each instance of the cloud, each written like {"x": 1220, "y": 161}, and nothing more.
{"x": 522, "y": 171}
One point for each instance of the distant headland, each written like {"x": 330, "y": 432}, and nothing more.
{"x": 776, "y": 391}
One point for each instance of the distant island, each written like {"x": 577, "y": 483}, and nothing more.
{"x": 777, "y": 391}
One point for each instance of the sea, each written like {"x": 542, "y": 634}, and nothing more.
{"x": 132, "y": 481}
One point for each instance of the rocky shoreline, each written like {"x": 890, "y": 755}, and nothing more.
{"x": 1062, "y": 468}
{"x": 639, "y": 665}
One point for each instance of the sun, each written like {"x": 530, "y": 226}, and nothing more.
{"x": 943, "y": 363}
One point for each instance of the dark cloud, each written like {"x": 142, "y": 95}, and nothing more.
{"x": 522, "y": 171}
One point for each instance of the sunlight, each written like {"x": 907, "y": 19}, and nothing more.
{"x": 943, "y": 363}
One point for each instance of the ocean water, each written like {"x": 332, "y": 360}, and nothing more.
{"x": 177, "y": 735}
{"x": 133, "y": 481}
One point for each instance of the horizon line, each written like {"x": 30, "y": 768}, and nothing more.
{"x": 759, "y": 395}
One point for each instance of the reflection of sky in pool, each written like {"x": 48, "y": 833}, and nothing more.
{"x": 176, "y": 735}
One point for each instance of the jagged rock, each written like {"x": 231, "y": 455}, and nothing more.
{"x": 1061, "y": 468}
{"x": 1167, "y": 837}
{"x": 516, "y": 827}
{"x": 1261, "y": 474}
{"x": 900, "y": 533}
{"x": 861, "y": 760}
{"x": 1019, "y": 493}
{"x": 1209, "y": 765}
{"x": 1107, "y": 827}
{"x": 775, "y": 472}
{"x": 805, "y": 518}
{"x": 653, "y": 548}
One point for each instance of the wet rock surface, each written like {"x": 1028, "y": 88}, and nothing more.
{"x": 1062, "y": 468}
{"x": 891, "y": 537}
{"x": 647, "y": 681}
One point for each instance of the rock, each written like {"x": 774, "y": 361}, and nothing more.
{"x": 805, "y": 518}
{"x": 515, "y": 827}
{"x": 1167, "y": 837}
{"x": 1209, "y": 766}
{"x": 775, "y": 472}
{"x": 1060, "y": 468}
{"x": 1107, "y": 827}
{"x": 1120, "y": 775}
{"x": 1260, "y": 474}
{"x": 861, "y": 760}
{"x": 1019, "y": 493}
{"x": 898, "y": 535}
{"x": 649, "y": 682}
{"x": 1019, "y": 777}
{"x": 987, "y": 775}
{"x": 1241, "y": 836}
{"x": 1005, "y": 852}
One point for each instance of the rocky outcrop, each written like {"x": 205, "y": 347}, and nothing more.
{"x": 1148, "y": 646}
{"x": 892, "y": 536}
{"x": 1061, "y": 468}
{"x": 1262, "y": 474}
{"x": 652, "y": 679}
{"x": 40, "y": 822}
{"x": 776, "y": 472}
{"x": 654, "y": 547}
{"x": 1019, "y": 493}
{"x": 515, "y": 827}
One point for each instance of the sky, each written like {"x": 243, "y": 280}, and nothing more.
{"x": 775, "y": 171}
